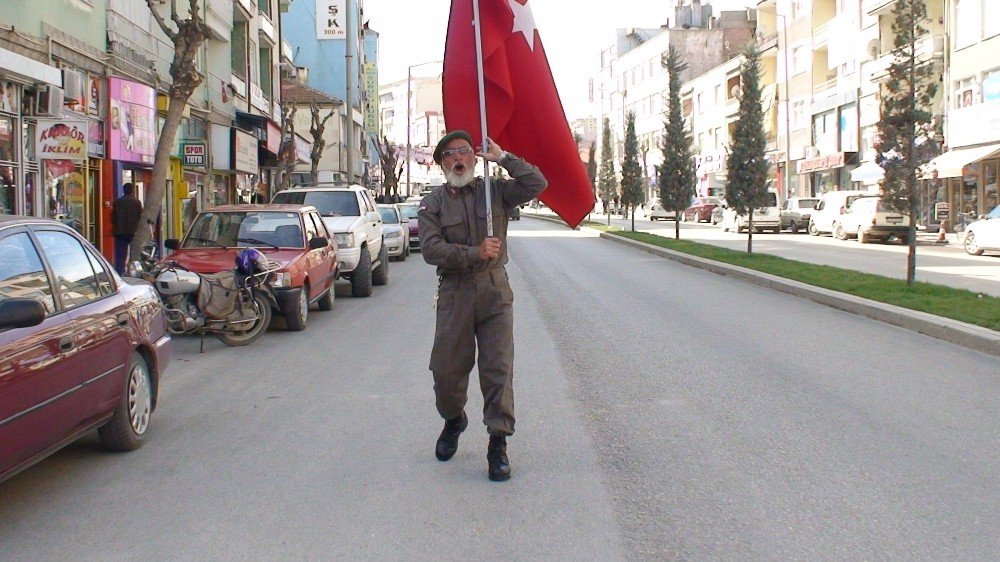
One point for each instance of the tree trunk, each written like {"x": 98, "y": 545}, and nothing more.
{"x": 161, "y": 166}
{"x": 677, "y": 225}
{"x": 633, "y": 218}
{"x": 750, "y": 232}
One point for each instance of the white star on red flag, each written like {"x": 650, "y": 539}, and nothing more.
{"x": 524, "y": 22}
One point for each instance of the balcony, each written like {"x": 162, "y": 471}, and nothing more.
{"x": 821, "y": 34}
{"x": 766, "y": 41}
{"x": 876, "y": 7}
{"x": 928, "y": 48}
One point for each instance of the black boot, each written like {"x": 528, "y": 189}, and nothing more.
{"x": 496, "y": 456}
{"x": 447, "y": 442}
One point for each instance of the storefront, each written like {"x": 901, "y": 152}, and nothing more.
{"x": 245, "y": 164}
{"x": 61, "y": 146}
{"x": 131, "y": 144}
{"x": 268, "y": 135}
{"x": 10, "y": 104}
{"x": 828, "y": 173}
{"x": 969, "y": 176}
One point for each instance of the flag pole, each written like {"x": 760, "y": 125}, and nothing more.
{"x": 482, "y": 116}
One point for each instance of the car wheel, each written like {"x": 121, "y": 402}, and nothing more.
{"x": 838, "y": 232}
{"x": 794, "y": 227}
{"x": 971, "y": 247}
{"x": 380, "y": 276}
{"x": 298, "y": 315}
{"x": 739, "y": 226}
{"x": 403, "y": 254}
{"x": 262, "y": 308}
{"x": 813, "y": 231}
{"x": 325, "y": 302}
{"x": 361, "y": 278}
{"x": 126, "y": 429}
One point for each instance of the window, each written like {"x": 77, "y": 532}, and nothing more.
{"x": 265, "y": 71}
{"x": 265, "y": 8}
{"x": 320, "y": 225}
{"x": 800, "y": 8}
{"x": 311, "y": 231}
{"x": 798, "y": 114}
{"x": 800, "y": 60}
{"x": 718, "y": 94}
{"x": 968, "y": 22}
{"x": 991, "y": 18}
{"x": 21, "y": 272}
{"x": 74, "y": 275}
{"x": 965, "y": 95}
{"x": 991, "y": 86}
{"x": 238, "y": 44}
{"x": 701, "y": 103}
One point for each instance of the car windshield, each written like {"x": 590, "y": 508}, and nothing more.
{"x": 268, "y": 229}
{"x": 328, "y": 203}
{"x": 864, "y": 204}
{"x": 995, "y": 213}
{"x": 807, "y": 203}
{"x": 409, "y": 211}
{"x": 388, "y": 216}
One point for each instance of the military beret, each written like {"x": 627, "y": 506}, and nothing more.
{"x": 456, "y": 134}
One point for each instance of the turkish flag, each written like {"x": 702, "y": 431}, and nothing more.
{"x": 524, "y": 114}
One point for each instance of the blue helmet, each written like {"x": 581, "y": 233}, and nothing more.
{"x": 250, "y": 261}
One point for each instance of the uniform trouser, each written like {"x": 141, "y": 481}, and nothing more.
{"x": 475, "y": 309}
{"x": 121, "y": 252}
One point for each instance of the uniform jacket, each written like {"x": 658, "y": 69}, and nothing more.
{"x": 453, "y": 220}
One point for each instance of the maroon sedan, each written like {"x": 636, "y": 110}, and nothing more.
{"x": 409, "y": 210}
{"x": 80, "y": 347}
{"x": 701, "y": 209}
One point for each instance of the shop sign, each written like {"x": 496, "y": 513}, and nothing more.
{"x": 61, "y": 139}
{"x": 331, "y": 19}
{"x": 244, "y": 152}
{"x": 273, "y": 142}
{"x": 133, "y": 121}
{"x": 822, "y": 163}
{"x": 95, "y": 138}
{"x": 8, "y": 97}
{"x": 194, "y": 154}
{"x": 711, "y": 162}
{"x": 371, "y": 89}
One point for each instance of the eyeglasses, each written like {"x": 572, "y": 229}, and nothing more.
{"x": 463, "y": 150}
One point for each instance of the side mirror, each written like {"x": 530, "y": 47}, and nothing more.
{"x": 171, "y": 243}
{"x": 318, "y": 242}
{"x": 21, "y": 313}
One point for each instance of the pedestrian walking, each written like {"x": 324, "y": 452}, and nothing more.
{"x": 474, "y": 299}
{"x": 125, "y": 212}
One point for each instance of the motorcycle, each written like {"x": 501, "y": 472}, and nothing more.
{"x": 235, "y": 306}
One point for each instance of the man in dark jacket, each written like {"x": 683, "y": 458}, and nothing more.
{"x": 474, "y": 301}
{"x": 125, "y": 212}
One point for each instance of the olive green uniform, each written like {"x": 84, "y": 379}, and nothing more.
{"x": 474, "y": 301}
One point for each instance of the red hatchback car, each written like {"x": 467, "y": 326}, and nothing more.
{"x": 409, "y": 210}
{"x": 292, "y": 237}
{"x": 80, "y": 347}
{"x": 701, "y": 209}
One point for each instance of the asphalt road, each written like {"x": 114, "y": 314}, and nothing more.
{"x": 940, "y": 264}
{"x": 663, "y": 413}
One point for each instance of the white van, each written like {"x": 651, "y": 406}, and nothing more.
{"x": 831, "y": 206}
{"x": 767, "y": 217}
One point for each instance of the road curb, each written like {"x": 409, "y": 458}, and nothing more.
{"x": 954, "y": 331}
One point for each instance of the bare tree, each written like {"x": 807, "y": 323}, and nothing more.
{"x": 287, "y": 158}
{"x": 187, "y": 35}
{"x": 317, "y": 127}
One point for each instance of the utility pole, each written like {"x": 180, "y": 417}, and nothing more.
{"x": 352, "y": 38}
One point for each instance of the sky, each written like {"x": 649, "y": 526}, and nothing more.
{"x": 412, "y": 32}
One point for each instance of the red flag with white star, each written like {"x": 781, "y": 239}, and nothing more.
{"x": 524, "y": 114}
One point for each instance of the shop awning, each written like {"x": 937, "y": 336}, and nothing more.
{"x": 29, "y": 69}
{"x": 868, "y": 173}
{"x": 951, "y": 163}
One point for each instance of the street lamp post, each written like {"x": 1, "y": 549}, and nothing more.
{"x": 788, "y": 104}
{"x": 409, "y": 102}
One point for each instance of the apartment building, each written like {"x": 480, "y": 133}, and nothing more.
{"x": 417, "y": 123}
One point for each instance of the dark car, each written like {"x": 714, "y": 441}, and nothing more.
{"x": 293, "y": 238}
{"x": 701, "y": 209}
{"x": 80, "y": 347}
{"x": 409, "y": 211}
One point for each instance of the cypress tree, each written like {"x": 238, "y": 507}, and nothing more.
{"x": 607, "y": 181}
{"x": 677, "y": 176}
{"x": 633, "y": 192}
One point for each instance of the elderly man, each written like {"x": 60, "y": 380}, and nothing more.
{"x": 474, "y": 301}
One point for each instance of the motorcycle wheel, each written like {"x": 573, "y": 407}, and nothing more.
{"x": 250, "y": 335}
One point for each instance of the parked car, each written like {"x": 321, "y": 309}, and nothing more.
{"x": 766, "y": 217}
{"x": 292, "y": 237}
{"x": 657, "y": 213}
{"x": 795, "y": 213}
{"x": 410, "y": 211}
{"x": 700, "y": 209}
{"x": 831, "y": 206}
{"x": 396, "y": 231}
{"x": 869, "y": 219}
{"x": 351, "y": 216}
{"x": 80, "y": 347}
{"x": 983, "y": 234}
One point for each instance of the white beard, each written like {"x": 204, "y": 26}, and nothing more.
{"x": 459, "y": 180}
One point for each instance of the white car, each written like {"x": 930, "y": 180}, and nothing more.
{"x": 767, "y": 217}
{"x": 657, "y": 213}
{"x": 984, "y": 234}
{"x": 350, "y": 214}
{"x": 395, "y": 231}
{"x": 795, "y": 213}
{"x": 831, "y": 205}
{"x": 869, "y": 219}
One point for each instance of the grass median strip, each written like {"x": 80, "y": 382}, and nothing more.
{"x": 958, "y": 304}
